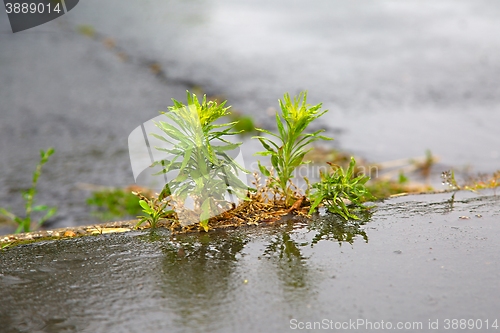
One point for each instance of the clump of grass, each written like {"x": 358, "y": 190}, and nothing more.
{"x": 25, "y": 223}
{"x": 114, "y": 203}
{"x": 288, "y": 147}
{"x": 340, "y": 190}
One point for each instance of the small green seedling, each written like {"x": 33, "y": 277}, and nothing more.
{"x": 24, "y": 224}
{"x": 339, "y": 190}
{"x": 154, "y": 209}
{"x": 288, "y": 147}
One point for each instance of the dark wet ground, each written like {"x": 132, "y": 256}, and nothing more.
{"x": 419, "y": 259}
{"x": 67, "y": 91}
{"x": 399, "y": 78}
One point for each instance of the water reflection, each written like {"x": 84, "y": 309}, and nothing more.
{"x": 187, "y": 281}
{"x": 286, "y": 260}
{"x": 201, "y": 278}
{"x": 197, "y": 271}
{"x": 332, "y": 227}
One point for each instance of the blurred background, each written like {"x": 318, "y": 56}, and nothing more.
{"x": 399, "y": 78}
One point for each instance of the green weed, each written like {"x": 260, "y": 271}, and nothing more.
{"x": 288, "y": 147}
{"x": 155, "y": 208}
{"x": 24, "y": 224}
{"x": 114, "y": 203}
{"x": 339, "y": 190}
{"x": 205, "y": 171}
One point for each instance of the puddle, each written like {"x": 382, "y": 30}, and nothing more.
{"x": 418, "y": 259}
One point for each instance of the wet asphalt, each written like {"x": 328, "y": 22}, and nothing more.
{"x": 425, "y": 263}
{"x": 398, "y": 78}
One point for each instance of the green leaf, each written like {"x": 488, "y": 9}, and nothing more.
{"x": 281, "y": 129}
{"x": 21, "y": 228}
{"x": 160, "y": 137}
{"x": 187, "y": 157}
{"x": 226, "y": 147}
{"x": 47, "y": 216}
{"x": 275, "y": 162}
{"x": 142, "y": 219}
{"x": 264, "y": 170}
{"x": 267, "y": 146}
{"x": 144, "y": 205}
{"x": 164, "y": 193}
{"x": 40, "y": 208}
{"x": 266, "y": 132}
{"x": 317, "y": 201}
{"x": 350, "y": 170}
{"x": 5, "y": 212}
{"x": 297, "y": 160}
